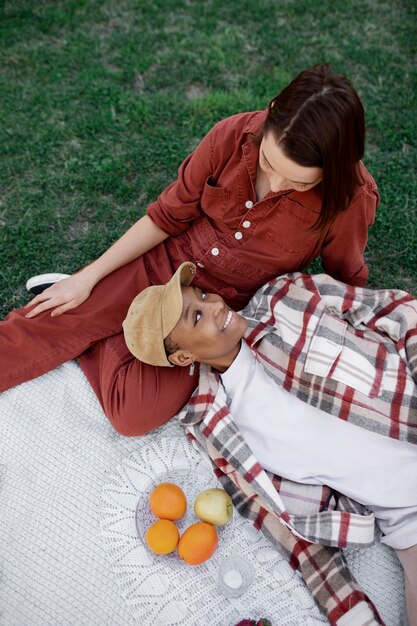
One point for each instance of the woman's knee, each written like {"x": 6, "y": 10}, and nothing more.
{"x": 137, "y": 420}
{"x": 136, "y": 405}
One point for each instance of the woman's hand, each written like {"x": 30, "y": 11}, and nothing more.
{"x": 64, "y": 295}
{"x": 70, "y": 292}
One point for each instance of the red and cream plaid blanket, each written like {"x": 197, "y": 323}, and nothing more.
{"x": 349, "y": 351}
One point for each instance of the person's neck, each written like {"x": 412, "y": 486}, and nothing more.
{"x": 262, "y": 186}
{"x": 224, "y": 362}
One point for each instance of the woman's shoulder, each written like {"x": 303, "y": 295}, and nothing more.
{"x": 230, "y": 134}
{"x": 367, "y": 189}
{"x": 241, "y": 124}
{"x": 369, "y": 181}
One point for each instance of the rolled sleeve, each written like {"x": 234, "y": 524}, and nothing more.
{"x": 179, "y": 204}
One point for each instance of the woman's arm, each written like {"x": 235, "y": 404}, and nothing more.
{"x": 172, "y": 213}
{"x": 140, "y": 238}
{"x": 73, "y": 291}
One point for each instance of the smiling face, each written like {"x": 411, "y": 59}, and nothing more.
{"x": 282, "y": 173}
{"x": 208, "y": 331}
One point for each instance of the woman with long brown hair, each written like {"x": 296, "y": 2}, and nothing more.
{"x": 263, "y": 194}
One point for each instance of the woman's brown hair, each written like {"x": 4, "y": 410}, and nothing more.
{"x": 318, "y": 121}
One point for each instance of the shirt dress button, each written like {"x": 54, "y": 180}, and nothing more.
{"x": 200, "y": 264}
{"x": 215, "y": 251}
{"x": 238, "y": 235}
{"x": 246, "y": 224}
{"x": 249, "y": 204}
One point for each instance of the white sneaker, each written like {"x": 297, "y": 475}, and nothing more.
{"x": 39, "y": 283}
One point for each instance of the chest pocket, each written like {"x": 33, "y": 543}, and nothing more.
{"x": 214, "y": 200}
{"x": 338, "y": 352}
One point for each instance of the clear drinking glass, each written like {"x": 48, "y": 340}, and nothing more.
{"x": 235, "y": 575}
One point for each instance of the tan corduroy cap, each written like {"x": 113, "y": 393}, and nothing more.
{"x": 152, "y": 316}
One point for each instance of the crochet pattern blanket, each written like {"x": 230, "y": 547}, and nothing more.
{"x": 57, "y": 452}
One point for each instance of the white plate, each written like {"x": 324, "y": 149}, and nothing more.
{"x": 178, "y": 594}
{"x": 192, "y": 483}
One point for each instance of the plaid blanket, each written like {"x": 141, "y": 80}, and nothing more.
{"x": 349, "y": 351}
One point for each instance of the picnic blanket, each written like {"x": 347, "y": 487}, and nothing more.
{"x": 60, "y": 461}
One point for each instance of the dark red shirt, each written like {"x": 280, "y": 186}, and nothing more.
{"x": 215, "y": 220}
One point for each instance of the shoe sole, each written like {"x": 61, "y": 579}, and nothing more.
{"x": 44, "y": 279}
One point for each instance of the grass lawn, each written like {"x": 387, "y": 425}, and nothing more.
{"x": 102, "y": 99}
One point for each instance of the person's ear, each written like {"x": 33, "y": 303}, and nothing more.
{"x": 181, "y": 358}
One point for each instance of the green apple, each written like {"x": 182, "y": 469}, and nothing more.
{"x": 214, "y": 506}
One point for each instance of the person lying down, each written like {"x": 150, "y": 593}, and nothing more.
{"x": 306, "y": 349}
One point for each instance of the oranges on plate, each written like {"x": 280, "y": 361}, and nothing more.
{"x": 178, "y": 533}
{"x": 168, "y": 501}
{"x": 198, "y": 543}
{"x": 162, "y": 537}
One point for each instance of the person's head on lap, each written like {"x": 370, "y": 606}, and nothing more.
{"x": 179, "y": 324}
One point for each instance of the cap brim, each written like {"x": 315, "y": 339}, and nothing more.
{"x": 153, "y": 314}
{"x": 172, "y": 303}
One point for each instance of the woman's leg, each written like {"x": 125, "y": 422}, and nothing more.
{"x": 408, "y": 559}
{"x": 32, "y": 347}
{"x": 136, "y": 397}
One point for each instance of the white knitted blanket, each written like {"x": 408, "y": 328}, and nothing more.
{"x": 65, "y": 519}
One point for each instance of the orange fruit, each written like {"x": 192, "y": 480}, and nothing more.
{"x": 162, "y": 537}
{"x": 168, "y": 501}
{"x": 198, "y": 543}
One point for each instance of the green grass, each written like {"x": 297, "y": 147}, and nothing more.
{"x": 101, "y": 100}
